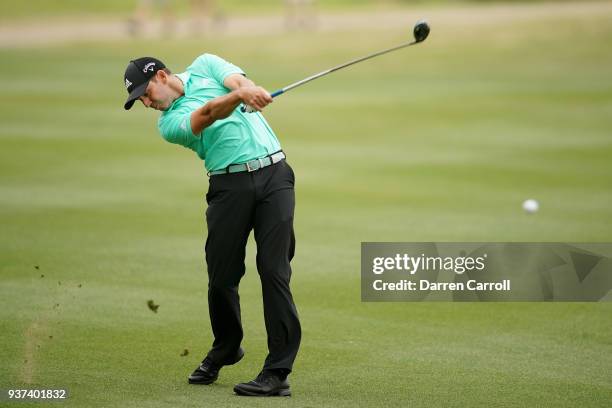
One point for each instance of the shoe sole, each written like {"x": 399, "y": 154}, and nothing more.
{"x": 208, "y": 382}
{"x": 197, "y": 382}
{"x": 279, "y": 393}
{"x": 240, "y": 356}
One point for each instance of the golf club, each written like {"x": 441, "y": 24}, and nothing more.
{"x": 421, "y": 31}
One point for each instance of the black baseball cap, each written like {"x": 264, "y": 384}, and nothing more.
{"x": 137, "y": 76}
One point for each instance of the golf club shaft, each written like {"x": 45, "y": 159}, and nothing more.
{"x": 329, "y": 71}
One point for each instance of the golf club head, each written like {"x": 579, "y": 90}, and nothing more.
{"x": 421, "y": 31}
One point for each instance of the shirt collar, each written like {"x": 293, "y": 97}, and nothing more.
{"x": 184, "y": 77}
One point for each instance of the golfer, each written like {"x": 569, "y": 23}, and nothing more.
{"x": 251, "y": 187}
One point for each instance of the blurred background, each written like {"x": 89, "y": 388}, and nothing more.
{"x": 504, "y": 102}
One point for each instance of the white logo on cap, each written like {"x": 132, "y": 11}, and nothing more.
{"x": 127, "y": 83}
{"x": 148, "y": 67}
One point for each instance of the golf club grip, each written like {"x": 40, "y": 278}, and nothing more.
{"x": 248, "y": 109}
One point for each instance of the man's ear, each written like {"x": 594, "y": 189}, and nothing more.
{"x": 161, "y": 76}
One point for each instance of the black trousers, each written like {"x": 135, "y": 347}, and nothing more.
{"x": 263, "y": 201}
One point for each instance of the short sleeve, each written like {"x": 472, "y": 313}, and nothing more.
{"x": 219, "y": 69}
{"x": 175, "y": 127}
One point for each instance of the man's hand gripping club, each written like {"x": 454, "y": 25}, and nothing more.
{"x": 244, "y": 91}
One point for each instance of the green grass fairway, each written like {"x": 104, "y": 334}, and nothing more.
{"x": 440, "y": 142}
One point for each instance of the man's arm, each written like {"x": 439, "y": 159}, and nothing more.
{"x": 223, "y": 106}
{"x": 235, "y": 81}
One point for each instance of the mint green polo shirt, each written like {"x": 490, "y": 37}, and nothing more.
{"x": 236, "y": 139}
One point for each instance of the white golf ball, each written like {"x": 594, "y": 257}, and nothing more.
{"x": 531, "y": 206}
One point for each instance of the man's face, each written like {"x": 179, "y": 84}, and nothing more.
{"x": 158, "y": 94}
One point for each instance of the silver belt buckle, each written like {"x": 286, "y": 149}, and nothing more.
{"x": 249, "y": 168}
